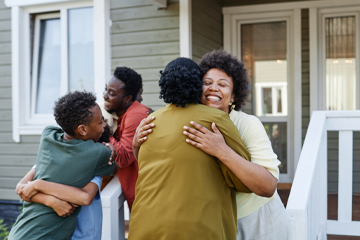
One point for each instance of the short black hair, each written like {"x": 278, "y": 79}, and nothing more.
{"x": 230, "y": 65}
{"x": 73, "y": 109}
{"x": 131, "y": 79}
{"x": 181, "y": 82}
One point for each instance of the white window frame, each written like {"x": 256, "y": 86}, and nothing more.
{"x": 317, "y": 18}
{"x": 259, "y": 96}
{"x": 20, "y": 22}
{"x": 234, "y": 17}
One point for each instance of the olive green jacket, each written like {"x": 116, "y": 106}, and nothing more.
{"x": 182, "y": 192}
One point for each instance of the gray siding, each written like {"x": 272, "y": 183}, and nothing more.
{"x": 15, "y": 158}
{"x": 146, "y": 39}
{"x": 207, "y": 27}
{"x": 305, "y": 100}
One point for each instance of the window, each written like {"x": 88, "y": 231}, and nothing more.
{"x": 340, "y": 63}
{"x": 48, "y": 48}
{"x": 57, "y": 47}
{"x": 46, "y": 64}
{"x": 335, "y": 82}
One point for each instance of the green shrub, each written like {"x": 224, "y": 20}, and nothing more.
{"x": 4, "y": 232}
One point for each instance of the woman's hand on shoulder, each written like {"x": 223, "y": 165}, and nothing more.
{"x": 213, "y": 143}
{"x": 144, "y": 129}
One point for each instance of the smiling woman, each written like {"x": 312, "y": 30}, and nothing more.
{"x": 217, "y": 90}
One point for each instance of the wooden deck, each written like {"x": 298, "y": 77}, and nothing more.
{"x": 332, "y": 210}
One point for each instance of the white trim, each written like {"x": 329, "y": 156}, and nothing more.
{"x": 233, "y": 18}
{"x": 335, "y": 227}
{"x": 16, "y": 14}
{"x": 21, "y": 11}
{"x": 275, "y": 7}
{"x": 102, "y": 51}
{"x": 64, "y": 51}
{"x": 21, "y": 3}
{"x": 185, "y": 29}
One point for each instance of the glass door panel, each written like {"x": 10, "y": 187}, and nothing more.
{"x": 264, "y": 54}
{"x": 340, "y": 63}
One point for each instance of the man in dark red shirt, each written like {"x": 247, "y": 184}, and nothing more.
{"x": 126, "y": 113}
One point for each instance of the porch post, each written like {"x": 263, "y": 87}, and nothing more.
{"x": 185, "y": 29}
{"x": 102, "y": 56}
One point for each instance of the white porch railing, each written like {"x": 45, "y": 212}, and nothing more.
{"x": 112, "y": 199}
{"x": 307, "y": 204}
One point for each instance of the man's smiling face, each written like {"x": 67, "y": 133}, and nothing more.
{"x": 115, "y": 96}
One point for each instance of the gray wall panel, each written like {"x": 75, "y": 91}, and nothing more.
{"x": 145, "y": 38}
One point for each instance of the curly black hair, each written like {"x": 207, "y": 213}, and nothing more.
{"x": 73, "y": 109}
{"x": 105, "y": 136}
{"x": 181, "y": 82}
{"x": 131, "y": 79}
{"x": 225, "y": 62}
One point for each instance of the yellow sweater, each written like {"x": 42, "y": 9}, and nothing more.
{"x": 182, "y": 192}
{"x": 253, "y": 134}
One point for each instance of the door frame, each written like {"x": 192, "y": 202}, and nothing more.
{"x": 232, "y": 44}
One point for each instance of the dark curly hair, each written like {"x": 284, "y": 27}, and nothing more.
{"x": 225, "y": 62}
{"x": 181, "y": 82}
{"x": 73, "y": 109}
{"x": 105, "y": 136}
{"x": 131, "y": 79}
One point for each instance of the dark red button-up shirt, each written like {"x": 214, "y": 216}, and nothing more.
{"x": 122, "y": 141}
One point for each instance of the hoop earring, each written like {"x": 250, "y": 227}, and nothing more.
{"x": 231, "y": 106}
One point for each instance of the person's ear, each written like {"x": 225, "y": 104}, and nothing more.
{"x": 128, "y": 99}
{"x": 82, "y": 130}
{"x": 232, "y": 97}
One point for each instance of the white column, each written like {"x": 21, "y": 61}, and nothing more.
{"x": 102, "y": 54}
{"x": 185, "y": 29}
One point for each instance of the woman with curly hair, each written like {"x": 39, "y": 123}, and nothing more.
{"x": 182, "y": 192}
{"x": 261, "y": 214}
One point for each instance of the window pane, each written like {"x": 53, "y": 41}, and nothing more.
{"x": 340, "y": 63}
{"x": 263, "y": 49}
{"x": 267, "y": 98}
{"x": 81, "y": 49}
{"x": 49, "y": 75}
{"x": 277, "y": 133}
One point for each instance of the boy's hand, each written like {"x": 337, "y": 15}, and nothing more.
{"x": 113, "y": 152}
{"x": 28, "y": 191}
{"x": 62, "y": 208}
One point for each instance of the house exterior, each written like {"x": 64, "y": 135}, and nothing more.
{"x": 301, "y": 56}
